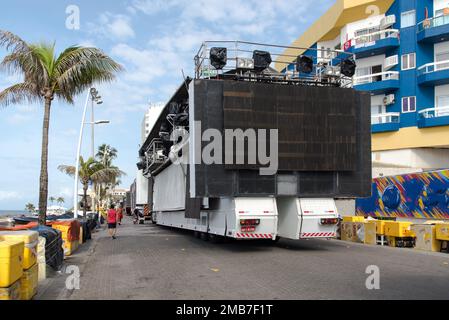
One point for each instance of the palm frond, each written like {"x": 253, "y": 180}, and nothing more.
{"x": 22, "y": 60}
{"x": 107, "y": 174}
{"x": 12, "y": 42}
{"x": 18, "y": 93}
{"x": 46, "y": 56}
{"x": 78, "y": 68}
{"x": 69, "y": 170}
{"x": 106, "y": 154}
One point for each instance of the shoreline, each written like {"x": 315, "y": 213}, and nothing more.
{"x": 12, "y": 213}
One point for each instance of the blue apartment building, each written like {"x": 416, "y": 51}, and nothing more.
{"x": 402, "y": 54}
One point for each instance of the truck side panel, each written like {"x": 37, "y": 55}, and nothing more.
{"x": 227, "y": 218}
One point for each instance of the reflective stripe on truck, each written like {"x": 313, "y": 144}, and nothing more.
{"x": 318, "y": 235}
{"x": 253, "y": 235}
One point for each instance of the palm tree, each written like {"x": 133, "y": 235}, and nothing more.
{"x": 60, "y": 200}
{"x": 91, "y": 171}
{"x": 30, "y": 207}
{"x": 47, "y": 76}
{"x": 52, "y": 199}
{"x": 106, "y": 154}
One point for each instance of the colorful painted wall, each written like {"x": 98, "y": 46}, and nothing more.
{"x": 418, "y": 195}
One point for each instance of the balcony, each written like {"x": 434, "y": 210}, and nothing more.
{"x": 385, "y": 122}
{"x": 378, "y": 83}
{"x": 374, "y": 44}
{"x": 434, "y": 74}
{"x": 433, "y": 117}
{"x": 434, "y": 30}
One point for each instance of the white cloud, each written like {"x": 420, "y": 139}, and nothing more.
{"x": 87, "y": 43}
{"x": 112, "y": 26}
{"x": 176, "y": 31}
{"x": 9, "y": 195}
{"x": 19, "y": 118}
{"x": 152, "y": 7}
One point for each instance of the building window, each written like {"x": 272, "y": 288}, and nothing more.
{"x": 443, "y": 105}
{"x": 376, "y": 114}
{"x": 408, "y": 19}
{"x": 365, "y": 31}
{"x": 408, "y": 104}
{"x": 366, "y": 35}
{"x": 408, "y": 61}
{"x": 365, "y": 72}
{"x": 443, "y": 58}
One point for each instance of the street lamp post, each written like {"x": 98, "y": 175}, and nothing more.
{"x": 93, "y": 95}
{"x": 97, "y": 100}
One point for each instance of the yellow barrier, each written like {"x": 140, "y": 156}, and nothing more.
{"x": 353, "y": 219}
{"x": 28, "y": 283}
{"x": 70, "y": 247}
{"x": 361, "y": 232}
{"x": 426, "y": 238}
{"x": 442, "y": 231}
{"x": 11, "y": 257}
{"x": 398, "y": 229}
{"x": 30, "y": 239}
{"x": 11, "y": 293}
{"x": 370, "y": 232}
{"x": 380, "y": 227}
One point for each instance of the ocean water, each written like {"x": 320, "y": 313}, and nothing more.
{"x": 12, "y": 213}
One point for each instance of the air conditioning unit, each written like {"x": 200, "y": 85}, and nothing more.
{"x": 389, "y": 99}
{"x": 391, "y": 62}
{"x": 388, "y": 21}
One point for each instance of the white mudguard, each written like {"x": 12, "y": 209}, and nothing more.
{"x": 302, "y": 218}
{"x": 262, "y": 209}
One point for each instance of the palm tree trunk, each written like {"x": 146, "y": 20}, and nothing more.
{"x": 85, "y": 187}
{"x": 43, "y": 180}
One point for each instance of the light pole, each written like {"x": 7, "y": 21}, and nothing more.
{"x": 93, "y": 95}
{"x": 97, "y": 100}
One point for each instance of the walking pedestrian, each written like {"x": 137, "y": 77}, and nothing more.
{"x": 112, "y": 221}
{"x": 136, "y": 215}
{"x": 120, "y": 214}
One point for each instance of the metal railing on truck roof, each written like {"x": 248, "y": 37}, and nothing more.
{"x": 242, "y": 60}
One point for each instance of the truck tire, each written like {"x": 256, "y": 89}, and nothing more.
{"x": 153, "y": 218}
{"x": 204, "y": 236}
{"x": 215, "y": 238}
{"x": 197, "y": 234}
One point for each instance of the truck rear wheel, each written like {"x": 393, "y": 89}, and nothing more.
{"x": 215, "y": 238}
{"x": 204, "y": 236}
{"x": 197, "y": 234}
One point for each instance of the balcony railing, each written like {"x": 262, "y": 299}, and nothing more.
{"x": 433, "y": 22}
{"x": 433, "y": 113}
{"x": 360, "y": 41}
{"x": 433, "y": 66}
{"x": 329, "y": 55}
{"x": 389, "y": 117}
{"x": 376, "y": 77}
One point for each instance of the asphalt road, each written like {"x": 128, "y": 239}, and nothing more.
{"x": 152, "y": 262}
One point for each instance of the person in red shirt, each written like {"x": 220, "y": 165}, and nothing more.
{"x": 112, "y": 221}
{"x": 120, "y": 214}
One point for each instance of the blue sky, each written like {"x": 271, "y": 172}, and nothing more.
{"x": 153, "y": 40}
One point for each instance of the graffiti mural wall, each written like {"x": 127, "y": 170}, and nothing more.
{"x": 416, "y": 195}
